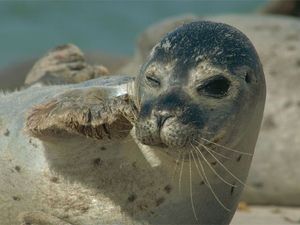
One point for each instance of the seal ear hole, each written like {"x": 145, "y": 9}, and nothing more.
{"x": 216, "y": 86}
{"x": 248, "y": 78}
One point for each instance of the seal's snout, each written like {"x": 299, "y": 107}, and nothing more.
{"x": 170, "y": 119}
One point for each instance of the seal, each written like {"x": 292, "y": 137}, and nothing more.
{"x": 201, "y": 96}
{"x": 193, "y": 115}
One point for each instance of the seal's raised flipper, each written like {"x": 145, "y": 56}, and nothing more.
{"x": 40, "y": 218}
{"x": 64, "y": 64}
{"x": 87, "y": 111}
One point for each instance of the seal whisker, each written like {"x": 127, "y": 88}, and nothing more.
{"x": 209, "y": 185}
{"x": 191, "y": 189}
{"x": 213, "y": 170}
{"x": 217, "y": 153}
{"x": 180, "y": 174}
{"x": 227, "y": 148}
{"x": 199, "y": 172}
{"x": 176, "y": 165}
{"x": 224, "y": 167}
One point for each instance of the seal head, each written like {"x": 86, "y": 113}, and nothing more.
{"x": 204, "y": 80}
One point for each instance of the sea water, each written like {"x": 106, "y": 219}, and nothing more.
{"x": 29, "y": 28}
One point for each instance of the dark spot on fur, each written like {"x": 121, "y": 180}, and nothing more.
{"x": 54, "y": 179}
{"x": 103, "y": 148}
{"x": 273, "y": 73}
{"x": 32, "y": 143}
{"x": 134, "y": 164}
{"x": 292, "y": 37}
{"x": 159, "y": 201}
{"x": 213, "y": 163}
{"x": 6, "y": 133}
{"x": 269, "y": 123}
{"x": 291, "y": 48}
{"x": 258, "y": 184}
{"x": 97, "y": 162}
{"x": 131, "y": 197}
{"x": 298, "y": 63}
{"x": 232, "y": 190}
{"x": 287, "y": 104}
{"x": 143, "y": 207}
{"x": 239, "y": 158}
{"x": 16, "y": 198}
{"x": 168, "y": 188}
{"x": 18, "y": 168}
{"x": 202, "y": 183}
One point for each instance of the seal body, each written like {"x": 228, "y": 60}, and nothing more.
{"x": 201, "y": 95}
{"x": 199, "y": 101}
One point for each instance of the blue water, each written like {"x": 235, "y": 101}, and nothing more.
{"x": 30, "y": 28}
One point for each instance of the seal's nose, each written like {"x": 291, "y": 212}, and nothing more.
{"x": 161, "y": 118}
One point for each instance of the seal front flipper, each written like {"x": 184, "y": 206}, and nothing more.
{"x": 87, "y": 111}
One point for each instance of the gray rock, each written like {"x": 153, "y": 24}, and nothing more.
{"x": 282, "y": 7}
{"x": 63, "y": 64}
{"x": 275, "y": 173}
{"x": 14, "y": 75}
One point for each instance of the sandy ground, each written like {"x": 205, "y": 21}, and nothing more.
{"x": 266, "y": 215}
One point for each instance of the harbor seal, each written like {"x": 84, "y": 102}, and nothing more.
{"x": 193, "y": 115}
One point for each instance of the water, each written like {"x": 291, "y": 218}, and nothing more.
{"x": 30, "y": 28}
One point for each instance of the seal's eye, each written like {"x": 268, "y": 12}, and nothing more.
{"x": 216, "y": 87}
{"x": 152, "y": 80}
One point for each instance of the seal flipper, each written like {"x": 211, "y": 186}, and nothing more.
{"x": 89, "y": 112}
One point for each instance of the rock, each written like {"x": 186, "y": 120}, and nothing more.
{"x": 267, "y": 215}
{"x": 282, "y": 7}
{"x": 12, "y": 77}
{"x": 63, "y": 64}
{"x": 275, "y": 174}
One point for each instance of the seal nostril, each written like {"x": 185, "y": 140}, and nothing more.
{"x": 161, "y": 118}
